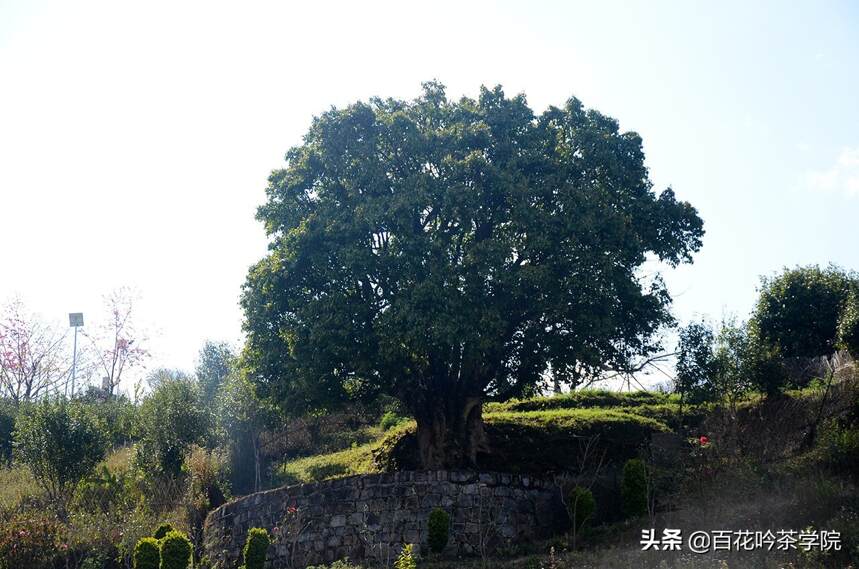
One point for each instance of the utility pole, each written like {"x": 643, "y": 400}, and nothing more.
{"x": 76, "y": 320}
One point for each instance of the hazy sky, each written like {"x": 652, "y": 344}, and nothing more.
{"x": 136, "y": 138}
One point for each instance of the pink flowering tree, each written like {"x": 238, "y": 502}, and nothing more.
{"x": 117, "y": 345}
{"x": 34, "y": 360}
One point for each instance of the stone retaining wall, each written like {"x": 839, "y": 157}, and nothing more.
{"x": 371, "y": 516}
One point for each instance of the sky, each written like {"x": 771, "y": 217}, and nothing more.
{"x": 136, "y": 138}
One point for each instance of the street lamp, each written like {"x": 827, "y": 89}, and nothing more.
{"x": 76, "y": 320}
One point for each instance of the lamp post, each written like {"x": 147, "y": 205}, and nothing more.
{"x": 76, "y": 320}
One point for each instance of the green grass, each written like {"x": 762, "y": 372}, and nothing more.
{"x": 585, "y": 398}
{"x": 355, "y": 460}
{"x": 16, "y": 485}
{"x": 572, "y": 419}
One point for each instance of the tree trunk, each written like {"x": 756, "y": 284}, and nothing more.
{"x": 451, "y": 434}
{"x": 257, "y": 470}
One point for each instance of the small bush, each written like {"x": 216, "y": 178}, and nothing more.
{"x": 341, "y": 564}
{"x": 256, "y": 548}
{"x": 840, "y": 444}
{"x": 105, "y": 491}
{"x": 162, "y": 530}
{"x": 848, "y": 327}
{"x": 633, "y": 489}
{"x": 439, "y": 530}
{"x": 390, "y": 420}
{"x": 31, "y": 540}
{"x": 175, "y": 551}
{"x": 406, "y": 560}
{"x": 581, "y": 505}
{"x": 7, "y": 429}
{"x": 61, "y": 443}
{"x": 146, "y": 554}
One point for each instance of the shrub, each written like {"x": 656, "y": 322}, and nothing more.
{"x": 61, "y": 443}
{"x": 117, "y": 414}
{"x": 31, "y": 541}
{"x": 696, "y": 363}
{"x": 175, "y": 551}
{"x": 439, "y": 530}
{"x": 848, "y": 327}
{"x": 581, "y": 506}
{"x": 7, "y": 428}
{"x": 162, "y": 530}
{"x": 390, "y": 420}
{"x": 171, "y": 420}
{"x": 105, "y": 491}
{"x": 256, "y": 548}
{"x": 406, "y": 560}
{"x": 840, "y": 445}
{"x": 341, "y": 564}
{"x": 764, "y": 365}
{"x": 146, "y": 554}
{"x": 633, "y": 489}
{"x": 798, "y": 310}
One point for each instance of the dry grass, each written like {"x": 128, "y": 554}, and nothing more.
{"x": 17, "y": 485}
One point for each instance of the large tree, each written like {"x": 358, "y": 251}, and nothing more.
{"x": 447, "y": 251}
{"x": 798, "y": 311}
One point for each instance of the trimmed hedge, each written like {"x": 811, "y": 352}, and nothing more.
{"x": 146, "y": 554}
{"x": 581, "y": 506}
{"x": 175, "y": 551}
{"x": 439, "y": 530}
{"x": 256, "y": 548}
{"x": 633, "y": 488}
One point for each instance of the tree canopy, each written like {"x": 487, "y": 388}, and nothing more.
{"x": 798, "y": 310}
{"x": 443, "y": 252}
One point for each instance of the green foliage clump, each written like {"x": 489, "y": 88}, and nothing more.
{"x": 30, "y": 540}
{"x": 764, "y": 365}
{"x": 244, "y": 416}
{"x": 215, "y": 363}
{"x": 61, "y": 442}
{"x": 116, "y": 413}
{"x": 256, "y": 549}
{"x": 633, "y": 488}
{"x": 147, "y": 554}
{"x": 172, "y": 419}
{"x": 439, "y": 530}
{"x": 8, "y": 412}
{"x": 340, "y": 564}
{"x": 581, "y": 506}
{"x": 176, "y": 551}
{"x": 848, "y": 327}
{"x": 713, "y": 365}
{"x": 406, "y": 559}
{"x": 162, "y": 530}
{"x": 105, "y": 491}
{"x": 390, "y": 420}
{"x": 798, "y": 311}
{"x": 840, "y": 445}
{"x": 696, "y": 365}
